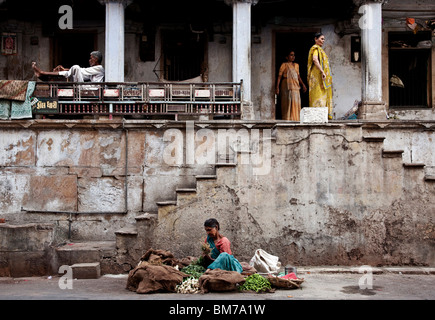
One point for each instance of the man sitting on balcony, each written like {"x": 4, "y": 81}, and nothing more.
{"x": 94, "y": 73}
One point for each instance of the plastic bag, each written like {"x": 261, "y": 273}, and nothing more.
{"x": 265, "y": 262}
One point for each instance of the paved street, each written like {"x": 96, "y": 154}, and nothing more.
{"x": 319, "y": 284}
{"x": 322, "y": 285}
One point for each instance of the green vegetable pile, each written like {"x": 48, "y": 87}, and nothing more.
{"x": 194, "y": 270}
{"x": 257, "y": 283}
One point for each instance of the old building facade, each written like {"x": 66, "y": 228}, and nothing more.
{"x": 351, "y": 191}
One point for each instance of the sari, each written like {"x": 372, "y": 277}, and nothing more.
{"x": 320, "y": 94}
{"x": 223, "y": 260}
{"x": 289, "y": 89}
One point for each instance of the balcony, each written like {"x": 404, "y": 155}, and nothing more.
{"x": 148, "y": 100}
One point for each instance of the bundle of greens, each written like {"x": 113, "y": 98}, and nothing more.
{"x": 257, "y": 283}
{"x": 205, "y": 247}
{"x": 195, "y": 270}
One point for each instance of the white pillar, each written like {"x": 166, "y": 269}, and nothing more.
{"x": 373, "y": 106}
{"x": 242, "y": 47}
{"x": 114, "y": 51}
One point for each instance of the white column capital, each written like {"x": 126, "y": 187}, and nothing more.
{"x": 231, "y": 2}
{"x": 124, "y": 2}
{"x": 362, "y": 2}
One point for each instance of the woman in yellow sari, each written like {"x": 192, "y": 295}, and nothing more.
{"x": 319, "y": 76}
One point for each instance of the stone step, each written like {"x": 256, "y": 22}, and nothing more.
{"x": 225, "y": 164}
{"x": 225, "y": 171}
{"x": 38, "y": 236}
{"x": 373, "y": 139}
{"x": 206, "y": 177}
{"x": 126, "y": 238}
{"x": 412, "y": 165}
{"x": 87, "y": 252}
{"x": 90, "y": 270}
{"x": 127, "y": 231}
{"x": 392, "y": 153}
{"x": 145, "y": 225}
{"x": 25, "y": 249}
{"x": 186, "y": 190}
{"x": 185, "y": 195}
{"x": 167, "y": 203}
{"x": 204, "y": 181}
{"x": 164, "y": 207}
{"x": 146, "y": 217}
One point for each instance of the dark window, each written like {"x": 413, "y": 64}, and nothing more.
{"x": 409, "y": 69}
{"x": 183, "y": 55}
{"x": 70, "y": 48}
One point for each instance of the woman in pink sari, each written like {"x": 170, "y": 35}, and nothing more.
{"x": 220, "y": 255}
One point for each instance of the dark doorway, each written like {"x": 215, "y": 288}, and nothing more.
{"x": 300, "y": 42}
{"x": 73, "y": 48}
{"x": 409, "y": 69}
{"x": 183, "y": 54}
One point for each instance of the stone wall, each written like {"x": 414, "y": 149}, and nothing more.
{"x": 336, "y": 193}
{"x": 78, "y": 177}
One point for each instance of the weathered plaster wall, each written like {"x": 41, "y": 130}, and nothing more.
{"x": 331, "y": 197}
{"x": 19, "y": 66}
{"x": 48, "y": 174}
{"x": 346, "y": 74}
{"x": 328, "y": 194}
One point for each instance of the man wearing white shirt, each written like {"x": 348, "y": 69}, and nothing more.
{"x": 94, "y": 73}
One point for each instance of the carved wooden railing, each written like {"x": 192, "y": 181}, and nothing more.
{"x": 134, "y": 98}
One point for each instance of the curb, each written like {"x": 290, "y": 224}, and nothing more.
{"x": 363, "y": 269}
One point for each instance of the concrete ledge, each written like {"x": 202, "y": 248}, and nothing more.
{"x": 86, "y": 270}
{"x": 356, "y": 270}
{"x": 38, "y": 236}
{"x": 314, "y": 115}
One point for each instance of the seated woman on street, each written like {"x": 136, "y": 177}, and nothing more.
{"x": 220, "y": 246}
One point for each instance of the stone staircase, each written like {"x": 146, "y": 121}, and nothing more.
{"x": 133, "y": 241}
{"x": 418, "y": 167}
{"x": 88, "y": 259}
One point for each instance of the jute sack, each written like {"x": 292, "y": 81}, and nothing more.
{"x": 150, "y": 278}
{"x": 220, "y": 280}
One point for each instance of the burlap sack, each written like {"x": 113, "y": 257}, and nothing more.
{"x": 220, "y": 280}
{"x": 281, "y": 283}
{"x": 151, "y": 278}
{"x": 165, "y": 257}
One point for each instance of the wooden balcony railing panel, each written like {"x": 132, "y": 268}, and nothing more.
{"x": 126, "y": 98}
